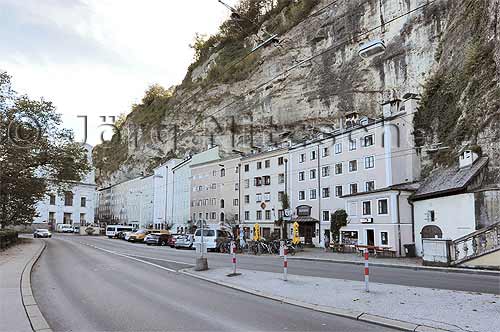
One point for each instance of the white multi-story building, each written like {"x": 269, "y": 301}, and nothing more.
{"x": 74, "y": 207}
{"x": 215, "y": 191}
{"x": 163, "y": 194}
{"x": 263, "y": 181}
{"x": 180, "y": 214}
{"x": 362, "y": 156}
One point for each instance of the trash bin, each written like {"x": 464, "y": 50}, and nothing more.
{"x": 410, "y": 250}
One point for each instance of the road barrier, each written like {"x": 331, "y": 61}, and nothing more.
{"x": 367, "y": 271}
{"x": 233, "y": 253}
{"x": 285, "y": 264}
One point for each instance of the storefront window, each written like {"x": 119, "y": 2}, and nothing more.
{"x": 350, "y": 237}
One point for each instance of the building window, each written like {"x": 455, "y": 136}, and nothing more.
{"x": 267, "y": 163}
{"x": 214, "y": 186}
{"x": 257, "y": 181}
{"x": 302, "y": 195}
{"x": 338, "y": 168}
{"x": 312, "y": 193}
{"x": 258, "y": 215}
{"x": 221, "y": 203}
{"x": 213, "y": 201}
{"x": 370, "y": 186}
{"x": 325, "y": 171}
{"x": 258, "y": 197}
{"x": 280, "y": 161}
{"x": 213, "y": 215}
{"x": 68, "y": 198}
{"x": 247, "y": 167}
{"x": 312, "y": 174}
{"x": 353, "y": 166}
{"x": 368, "y": 140}
{"x": 247, "y": 199}
{"x": 247, "y": 183}
{"x": 214, "y": 173}
{"x": 369, "y": 162}
{"x": 222, "y": 216}
{"x": 326, "y": 215}
{"x": 313, "y": 155}
{"x": 383, "y": 207}
{"x": 281, "y": 214}
{"x": 325, "y": 192}
{"x": 67, "y": 218}
{"x": 83, "y": 222}
{"x": 259, "y": 164}
{"x": 206, "y": 216}
{"x": 52, "y": 199}
{"x": 338, "y": 148}
{"x": 268, "y": 215}
{"x": 353, "y": 145}
{"x": 325, "y": 152}
{"x": 302, "y": 176}
{"x": 302, "y": 157}
{"x": 236, "y": 186}
{"x": 353, "y": 188}
{"x": 431, "y": 215}
{"x": 367, "y": 208}
{"x": 384, "y": 238}
{"x": 281, "y": 178}
{"x": 235, "y": 202}
{"x": 223, "y": 172}
{"x": 338, "y": 191}
{"x": 267, "y": 197}
{"x": 52, "y": 217}
{"x": 281, "y": 194}
{"x": 247, "y": 215}
{"x": 267, "y": 180}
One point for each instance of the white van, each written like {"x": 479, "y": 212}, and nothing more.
{"x": 113, "y": 230}
{"x": 64, "y": 228}
{"x": 211, "y": 237}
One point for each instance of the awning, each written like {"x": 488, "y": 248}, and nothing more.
{"x": 304, "y": 220}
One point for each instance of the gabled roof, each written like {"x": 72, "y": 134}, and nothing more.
{"x": 410, "y": 187}
{"x": 450, "y": 181}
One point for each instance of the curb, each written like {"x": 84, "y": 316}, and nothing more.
{"x": 346, "y": 313}
{"x": 35, "y": 316}
{"x": 409, "y": 267}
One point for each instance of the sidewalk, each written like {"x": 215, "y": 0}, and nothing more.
{"x": 407, "y": 308}
{"x": 320, "y": 254}
{"x": 15, "y": 288}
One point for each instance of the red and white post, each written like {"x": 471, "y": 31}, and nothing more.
{"x": 285, "y": 263}
{"x": 367, "y": 271}
{"x": 233, "y": 252}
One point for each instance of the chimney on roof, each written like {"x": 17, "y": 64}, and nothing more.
{"x": 467, "y": 158}
{"x": 410, "y": 102}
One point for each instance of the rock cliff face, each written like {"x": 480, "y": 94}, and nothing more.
{"x": 314, "y": 77}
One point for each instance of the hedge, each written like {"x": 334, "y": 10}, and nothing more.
{"x": 7, "y": 238}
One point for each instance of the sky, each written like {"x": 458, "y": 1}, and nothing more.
{"x": 96, "y": 58}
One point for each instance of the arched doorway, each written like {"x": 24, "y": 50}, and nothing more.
{"x": 431, "y": 232}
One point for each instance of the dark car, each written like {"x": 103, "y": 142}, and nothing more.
{"x": 42, "y": 233}
{"x": 157, "y": 239}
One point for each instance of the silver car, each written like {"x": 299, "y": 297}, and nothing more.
{"x": 184, "y": 241}
{"x": 42, "y": 233}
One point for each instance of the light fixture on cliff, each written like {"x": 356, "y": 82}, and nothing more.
{"x": 371, "y": 48}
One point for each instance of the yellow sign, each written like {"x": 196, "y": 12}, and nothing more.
{"x": 256, "y": 232}
{"x": 296, "y": 239}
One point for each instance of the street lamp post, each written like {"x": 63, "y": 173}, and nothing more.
{"x": 202, "y": 261}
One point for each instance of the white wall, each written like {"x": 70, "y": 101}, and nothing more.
{"x": 455, "y": 216}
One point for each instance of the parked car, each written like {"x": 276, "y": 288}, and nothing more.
{"x": 64, "y": 228}
{"x": 184, "y": 241}
{"x": 172, "y": 240}
{"x": 113, "y": 230}
{"x": 76, "y": 229}
{"x": 42, "y": 233}
{"x": 157, "y": 239}
{"x": 126, "y": 235}
{"x": 212, "y": 238}
{"x": 139, "y": 235}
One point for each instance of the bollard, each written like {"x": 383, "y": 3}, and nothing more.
{"x": 233, "y": 251}
{"x": 366, "y": 271}
{"x": 285, "y": 264}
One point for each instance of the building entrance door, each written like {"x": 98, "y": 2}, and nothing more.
{"x": 306, "y": 231}
{"x": 370, "y": 237}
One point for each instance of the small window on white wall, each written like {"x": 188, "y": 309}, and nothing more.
{"x": 431, "y": 215}
{"x": 384, "y": 238}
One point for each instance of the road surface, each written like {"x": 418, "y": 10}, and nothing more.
{"x": 83, "y": 288}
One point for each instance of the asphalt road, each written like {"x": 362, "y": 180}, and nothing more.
{"x": 390, "y": 275}
{"x": 83, "y": 288}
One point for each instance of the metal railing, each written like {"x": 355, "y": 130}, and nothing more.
{"x": 475, "y": 244}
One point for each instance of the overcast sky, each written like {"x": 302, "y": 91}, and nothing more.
{"x": 97, "y": 57}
